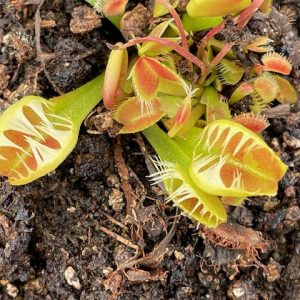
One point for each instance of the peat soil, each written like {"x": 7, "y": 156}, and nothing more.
{"x": 95, "y": 228}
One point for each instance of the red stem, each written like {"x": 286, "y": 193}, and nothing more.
{"x": 220, "y": 55}
{"x": 242, "y": 19}
{"x": 209, "y": 36}
{"x": 177, "y": 48}
{"x": 178, "y": 22}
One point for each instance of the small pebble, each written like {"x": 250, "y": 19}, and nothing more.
{"x": 12, "y": 290}
{"x": 274, "y": 269}
{"x": 290, "y": 192}
{"x": 71, "y": 209}
{"x": 71, "y": 278}
{"x": 179, "y": 256}
{"x": 238, "y": 292}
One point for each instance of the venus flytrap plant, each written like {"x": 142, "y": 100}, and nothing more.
{"x": 172, "y": 171}
{"x": 206, "y": 157}
{"x": 264, "y": 86}
{"x": 202, "y": 163}
{"x": 229, "y": 72}
{"x": 274, "y": 62}
{"x": 265, "y": 91}
{"x": 36, "y": 134}
{"x": 243, "y": 90}
{"x": 129, "y": 114}
{"x": 286, "y": 92}
{"x": 229, "y": 162}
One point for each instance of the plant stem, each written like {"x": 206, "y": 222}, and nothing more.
{"x": 220, "y": 55}
{"x": 208, "y": 37}
{"x": 79, "y": 102}
{"x": 178, "y": 23}
{"x": 242, "y": 19}
{"x": 174, "y": 46}
{"x": 165, "y": 147}
{"x": 116, "y": 20}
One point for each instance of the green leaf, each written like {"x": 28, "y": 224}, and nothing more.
{"x": 214, "y": 8}
{"x": 200, "y": 23}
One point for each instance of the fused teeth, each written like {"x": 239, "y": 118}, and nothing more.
{"x": 266, "y": 86}
{"x": 134, "y": 118}
{"x": 230, "y": 160}
{"x": 33, "y": 140}
{"x": 286, "y": 92}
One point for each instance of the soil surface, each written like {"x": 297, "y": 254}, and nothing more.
{"x": 72, "y": 234}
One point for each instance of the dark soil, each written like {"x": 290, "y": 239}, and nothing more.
{"x": 56, "y": 234}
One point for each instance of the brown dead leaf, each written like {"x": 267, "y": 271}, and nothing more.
{"x": 113, "y": 282}
{"x": 142, "y": 276}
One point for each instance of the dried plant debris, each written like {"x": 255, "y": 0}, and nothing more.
{"x": 135, "y": 22}
{"x": 237, "y": 237}
{"x": 6, "y": 229}
{"x": 84, "y": 19}
{"x": 4, "y": 78}
{"x": 22, "y": 44}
